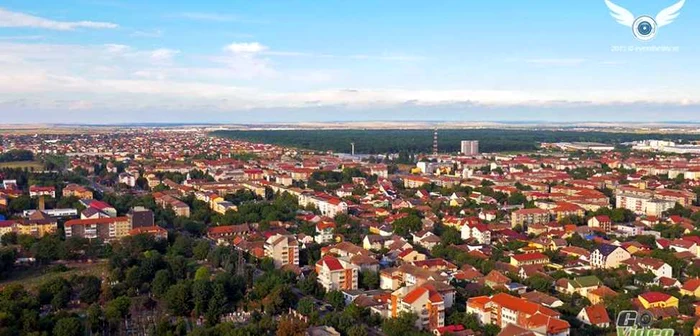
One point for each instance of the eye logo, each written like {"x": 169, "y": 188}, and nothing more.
{"x": 644, "y": 27}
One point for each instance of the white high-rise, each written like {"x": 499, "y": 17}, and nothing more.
{"x": 470, "y": 147}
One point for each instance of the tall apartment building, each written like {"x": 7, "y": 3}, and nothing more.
{"x": 283, "y": 249}
{"x": 525, "y": 217}
{"x": 141, "y": 217}
{"x": 469, "y": 147}
{"x": 104, "y": 229}
{"x": 643, "y": 202}
{"x": 337, "y": 274}
{"x": 424, "y": 301}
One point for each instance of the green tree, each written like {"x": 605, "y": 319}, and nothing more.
{"x": 201, "y": 292}
{"x": 161, "y": 282}
{"x": 402, "y": 325}
{"x": 68, "y": 326}
{"x": 369, "y": 279}
{"x": 406, "y": 225}
{"x": 306, "y": 305}
{"x": 335, "y": 298}
{"x": 178, "y": 299}
{"x": 117, "y": 309}
{"x": 201, "y": 250}
{"x": 202, "y": 273}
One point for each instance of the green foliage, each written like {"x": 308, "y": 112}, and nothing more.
{"x": 369, "y": 279}
{"x": 406, "y": 225}
{"x": 16, "y": 155}
{"x": 420, "y": 141}
{"x": 69, "y": 326}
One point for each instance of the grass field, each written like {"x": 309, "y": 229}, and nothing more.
{"x": 29, "y": 165}
{"x": 32, "y": 277}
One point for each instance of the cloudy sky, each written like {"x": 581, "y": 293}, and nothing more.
{"x": 117, "y": 61}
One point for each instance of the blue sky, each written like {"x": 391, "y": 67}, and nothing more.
{"x": 115, "y": 61}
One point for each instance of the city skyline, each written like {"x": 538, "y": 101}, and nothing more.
{"x": 98, "y": 62}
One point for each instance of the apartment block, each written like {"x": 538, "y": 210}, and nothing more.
{"x": 337, "y": 273}
{"x": 283, "y": 249}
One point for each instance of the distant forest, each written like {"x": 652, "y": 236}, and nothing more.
{"x": 16, "y": 155}
{"x": 421, "y": 141}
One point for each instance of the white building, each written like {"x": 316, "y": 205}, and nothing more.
{"x": 283, "y": 249}
{"x": 469, "y": 147}
{"x": 337, "y": 274}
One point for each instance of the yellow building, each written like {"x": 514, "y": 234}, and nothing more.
{"x": 691, "y": 288}
{"x": 657, "y": 300}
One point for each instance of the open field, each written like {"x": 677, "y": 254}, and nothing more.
{"x": 32, "y": 277}
{"x": 29, "y": 165}
{"x": 420, "y": 141}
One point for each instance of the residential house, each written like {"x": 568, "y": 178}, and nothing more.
{"x": 77, "y": 191}
{"x": 608, "y": 256}
{"x": 527, "y": 259}
{"x": 657, "y": 300}
{"x": 601, "y": 222}
{"x": 595, "y": 315}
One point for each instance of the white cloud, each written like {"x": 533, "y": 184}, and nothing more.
{"x": 21, "y": 20}
{"x": 163, "y": 55}
{"x": 117, "y": 48}
{"x": 116, "y": 76}
{"x": 245, "y": 48}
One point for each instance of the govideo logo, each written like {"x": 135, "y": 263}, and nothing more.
{"x": 634, "y": 323}
{"x": 645, "y": 27}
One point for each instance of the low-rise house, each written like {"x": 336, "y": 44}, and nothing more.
{"x": 657, "y": 267}
{"x": 224, "y": 234}
{"x": 77, "y": 191}
{"x": 595, "y": 315}
{"x": 691, "y": 287}
{"x": 601, "y": 222}
{"x": 527, "y": 259}
{"x": 156, "y": 232}
{"x": 580, "y": 285}
{"x": 608, "y": 256}
{"x": 36, "y": 191}
{"x": 657, "y": 300}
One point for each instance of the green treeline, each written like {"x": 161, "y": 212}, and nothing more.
{"x": 16, "y": 155}
{"x": 421, "y": 141}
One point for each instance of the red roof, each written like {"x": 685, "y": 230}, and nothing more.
{"x": 597, "y": 314}
{"x": 99, "y": 205}
{"x": 530, "y": 256}
{"x": 652, "y": 297}
{"x": 332, "y": 263}
{"x": 692, "y": 284}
